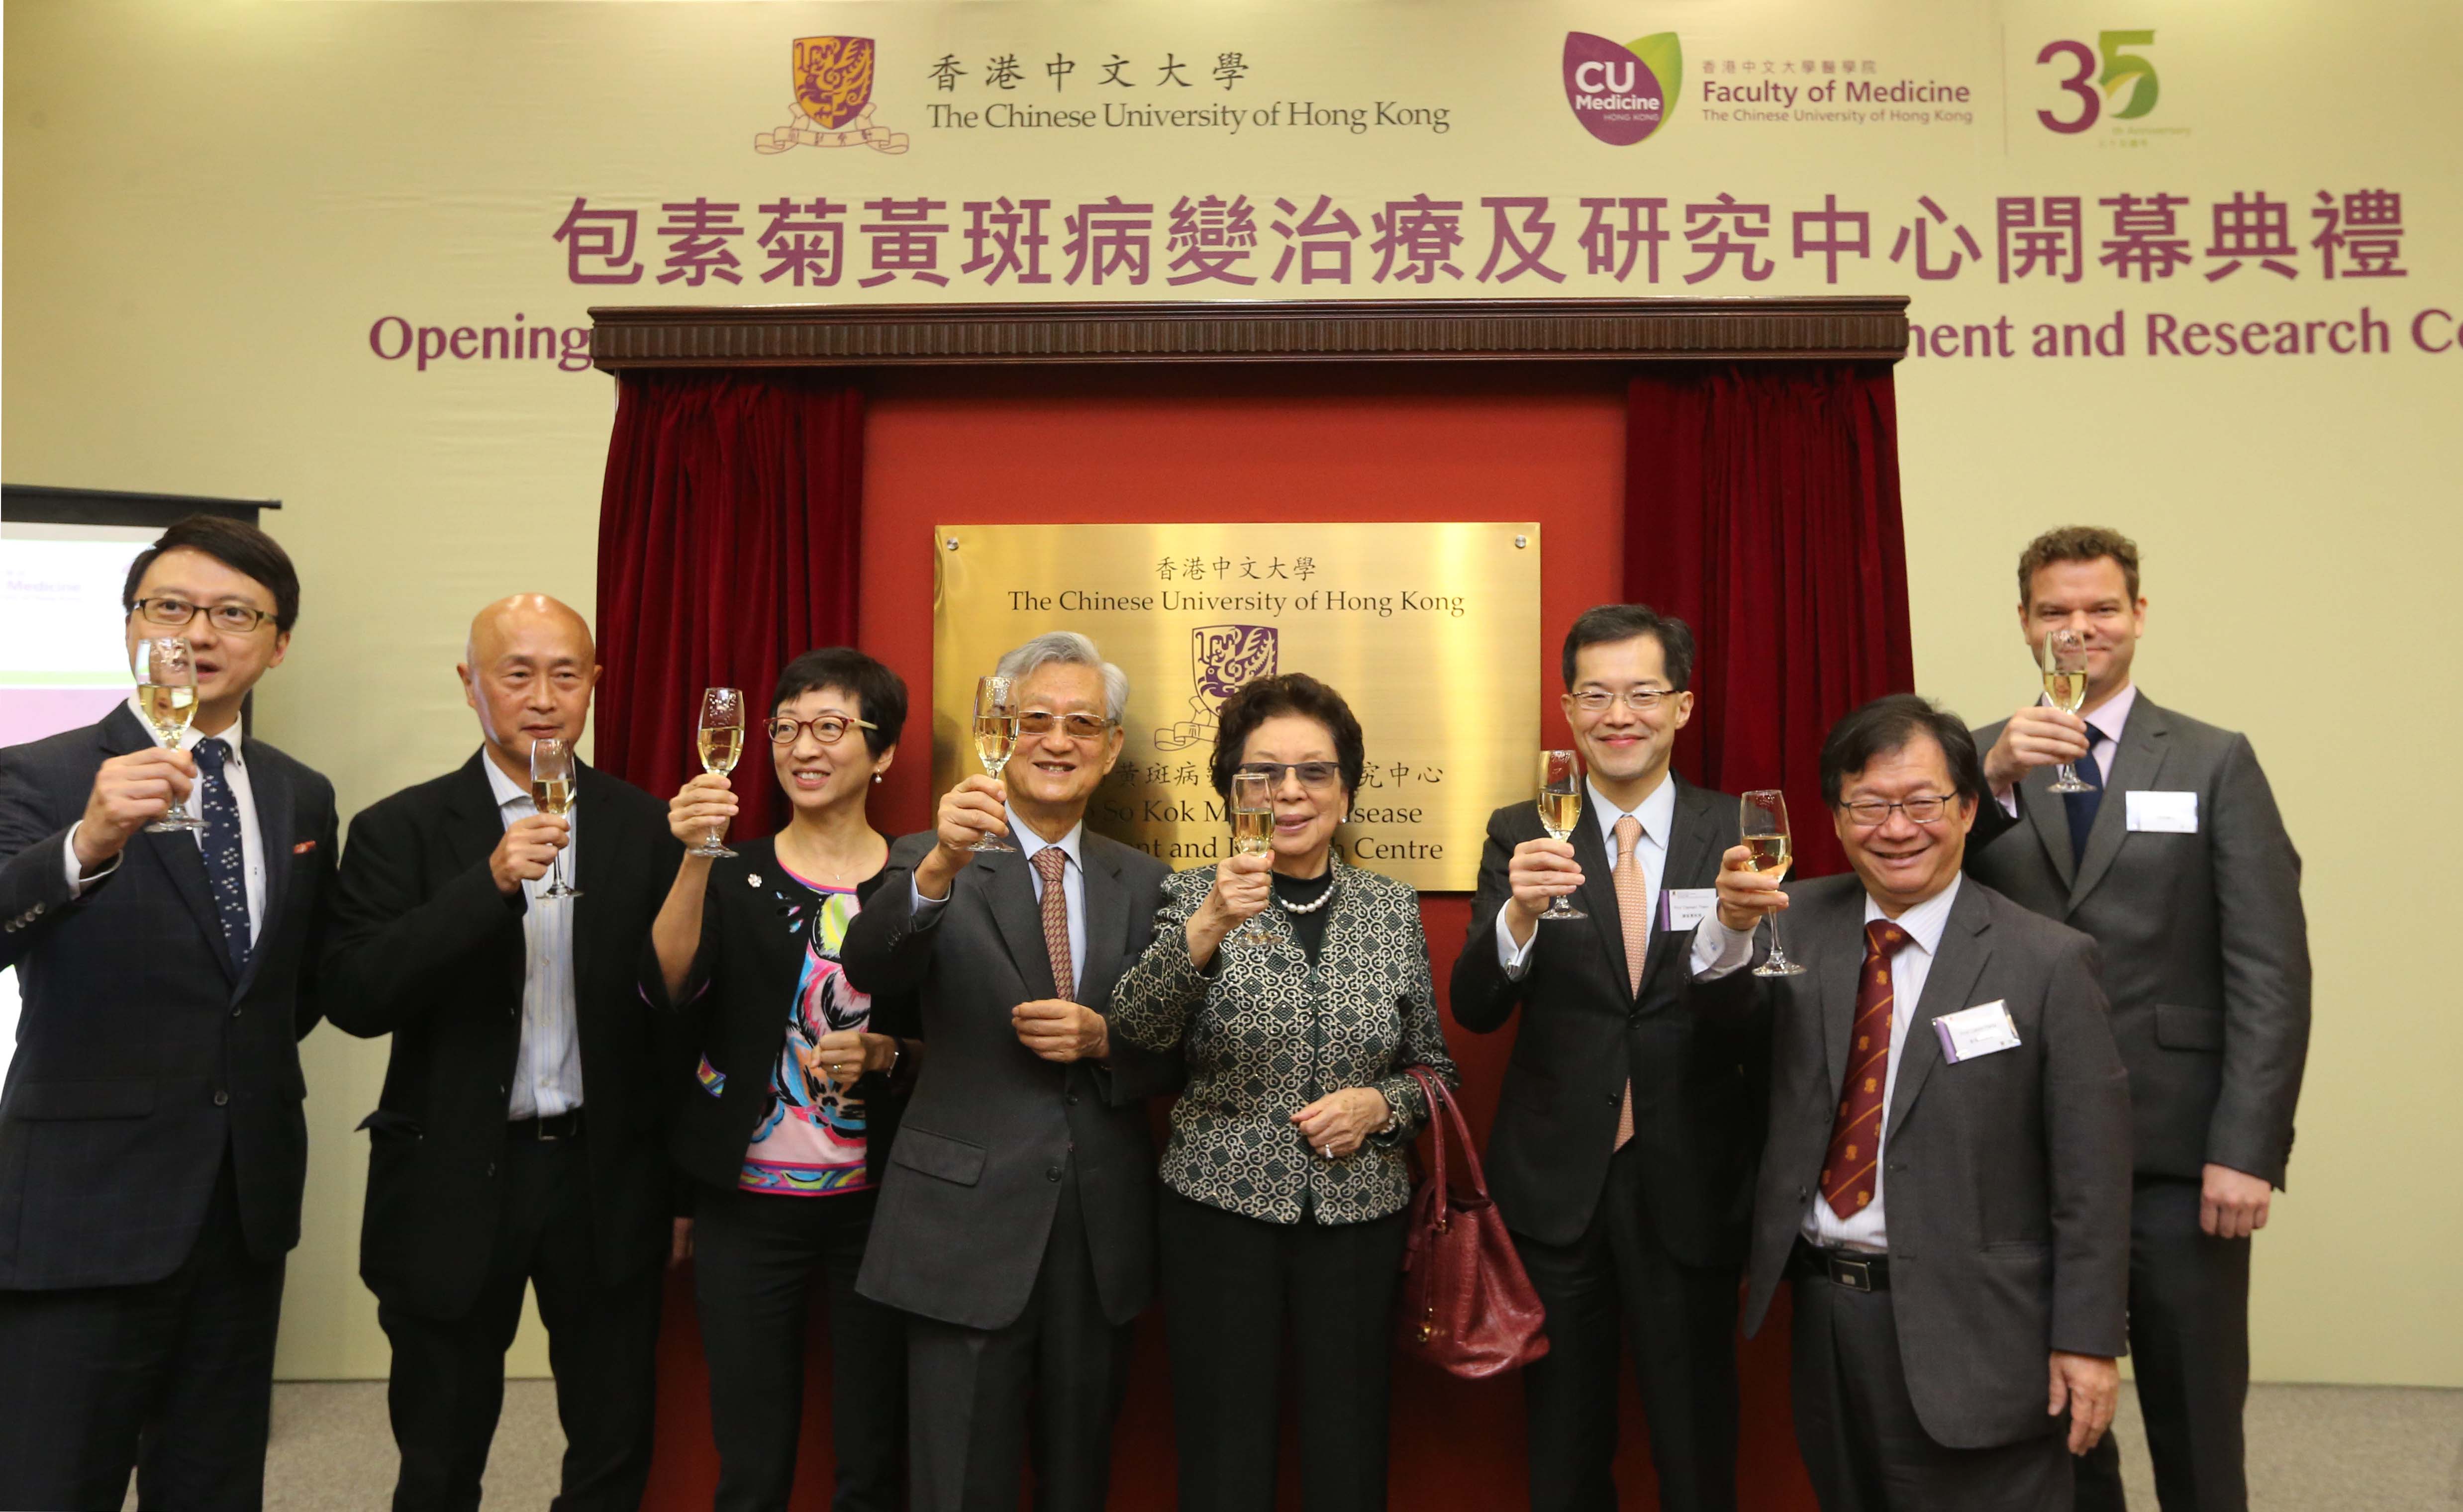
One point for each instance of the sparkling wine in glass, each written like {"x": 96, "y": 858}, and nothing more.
{"x": 721, "y": 739}
{"x": 1560, "y": 808}
{"x": 551, "y": 777}
{"x": 2064, "y": 660}
{"x": 166, "y": 695}
{"x": 1252, "y": 834}
{"x": 995, "y": 737}
{"x": 1762, "y": 817}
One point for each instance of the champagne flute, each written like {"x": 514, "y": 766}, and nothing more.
{"x": 166, "y": 695}
{"x": 1253, "y": 831}
{"x": 1762, "y": 817}
{"x": 722, "y": 746}
{"x": 1560, "y": 808}
{"x": 552, "y": 792}
{"x": 2063, "y": 661}
{"x": 995, "y": 737}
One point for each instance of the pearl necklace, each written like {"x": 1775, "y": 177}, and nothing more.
{"x": 1323, "y": 898}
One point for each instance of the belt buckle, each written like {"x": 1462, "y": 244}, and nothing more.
{"x": 1855, "y": 1275}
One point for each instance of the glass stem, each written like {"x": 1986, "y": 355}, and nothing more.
{"x": 1779, "y": 952}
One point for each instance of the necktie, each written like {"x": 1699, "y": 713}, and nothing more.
{"x": 225, "y": 866}
{"x": 1856, "y": 1139}
{"x": 2084, "y": 804}
{"x": 1633, "y": 915}
{"x": 1050, "y": 863}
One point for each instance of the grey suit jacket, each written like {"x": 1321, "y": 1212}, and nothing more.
{"x": 975, "y": 1175}
{"x": 2205, "y": 946}
{"x": 2007, "y": 1180}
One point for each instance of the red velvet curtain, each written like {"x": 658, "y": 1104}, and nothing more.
{"x": 727, "y": 546}
{"x": 1762, "y": 508}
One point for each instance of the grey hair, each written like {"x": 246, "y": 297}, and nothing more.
{"x": 1070, "y": 649}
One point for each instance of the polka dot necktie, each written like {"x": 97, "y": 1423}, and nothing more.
{"x": 1856, "y": 1138}
{"x": 226, "y": 865}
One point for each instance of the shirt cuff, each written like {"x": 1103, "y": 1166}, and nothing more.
{"x": 1515, "y": 959}
{"x": 1718, "y": 950}
{"x": 928, "y": 910}
{"x": 78, "y": 879}
{"x": 2009, "y": 801}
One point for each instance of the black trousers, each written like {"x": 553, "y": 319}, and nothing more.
{"x": 755, "y": 1256}
{"x": 1230, "y": 1286}
{"x": 1617, "y": 1283}
{"x": 448, "y": 1373}
{"x": 1862, "y": 1444}
{"x": 979, "y": 1399}
{"x": 2189, "y": 1335}
{"x": 174, "y": 1377}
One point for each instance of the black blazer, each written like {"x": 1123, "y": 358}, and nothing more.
{"x": 734, "y": 1004}
{"x": 426, "y": 949}
{"x": 139, "y": 1057}
{"x": 973, "y": 1178}
{"x": 1696, "y": 1080}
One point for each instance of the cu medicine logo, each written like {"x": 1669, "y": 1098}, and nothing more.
{"x": 1621, "y": 91}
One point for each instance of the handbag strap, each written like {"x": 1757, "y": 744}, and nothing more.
{"x": 1443, "y": 1111}
{"x": 1435, "y": 1092}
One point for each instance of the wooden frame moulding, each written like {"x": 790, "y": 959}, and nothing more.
{"x": 1835, "y": 328}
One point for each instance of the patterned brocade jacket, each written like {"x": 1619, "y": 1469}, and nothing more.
{"x": 1266, "y": 1035}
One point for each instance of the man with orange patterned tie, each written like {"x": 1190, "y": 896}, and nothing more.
{"x": 1946, "y": 1178}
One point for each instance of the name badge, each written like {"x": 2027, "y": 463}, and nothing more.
{"x": 2163, "y": 813}
{"x": 1681, "y": 908}
{"x": 1983, "y": 1030}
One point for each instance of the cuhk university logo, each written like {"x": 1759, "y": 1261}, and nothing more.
{"x": 1621, "y": 90}
{"x": 833, "y": 98}
{"x": 1221, "y": 658}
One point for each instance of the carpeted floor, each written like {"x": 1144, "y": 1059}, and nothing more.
{"x": 2311, "y": 1449}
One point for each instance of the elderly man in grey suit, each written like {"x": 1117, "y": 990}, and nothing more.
{"x": 1946, "y": 1178}
{"x": 1015, "y": 1224}
{"x": 2177, "y": 862}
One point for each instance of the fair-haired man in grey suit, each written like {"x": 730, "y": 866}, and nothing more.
{"x": 1946, "y": 1173}
{"x": 2179, "y": 866}
{"x": 1016, "y": 1219}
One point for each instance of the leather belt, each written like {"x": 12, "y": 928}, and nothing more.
{"x": 1856, "y": 1270}
{"x": 566, "y": 1125}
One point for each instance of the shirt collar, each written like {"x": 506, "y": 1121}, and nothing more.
{"x": 1657, "y": 812}
{"x": 189, "y": 736}
{"x": 1924, "y": 922}
{"x": 1029, "y": 842}
{"x": 500, "y": 785}
{"x": 2108, "y": 720}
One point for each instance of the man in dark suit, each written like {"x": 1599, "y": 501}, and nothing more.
{"x": 2178, "y": 865}
{"x": 1621, "y": 1156}
{"x": 1016, "y": 1218}
{"x": 518, "y": 1138}
{"x": 151, "y": 1143}
{"x": 1946, "y": 1178}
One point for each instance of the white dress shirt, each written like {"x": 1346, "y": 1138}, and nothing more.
{"x": 547, "y": 1070}
{"x": 1658, "y": 815}
{"x": 1073, "y": 890}
{"x": 2107, "y": 723}
{"x": 1912, "y": 962}
{"x": 251, "y": 835}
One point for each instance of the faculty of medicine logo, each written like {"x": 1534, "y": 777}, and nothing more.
{"x": 1224, "y": 656}
{"x": 834, "y": 90}
{"x": 1621, "y": 91}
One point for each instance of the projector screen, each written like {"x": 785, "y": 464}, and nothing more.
{"x": 61, "y": 657}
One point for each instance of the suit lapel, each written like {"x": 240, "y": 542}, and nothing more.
{"x": 177, "y": 854}
{"x": 476, "y": 824}
{"x": 1107, "y": 921}
{"x": 593, "y": 873}
{"x": 1693, "y": 850}
{"x": 1836, "y": 964}
{"x": 2135, "y": 764}
{"x": 1596, "y": 894}
{"x": 1009, "y": 892}
{"x": 1946, "y": 986}
{"x": 268, "y": 784}
{"x": 2051, "y": 821}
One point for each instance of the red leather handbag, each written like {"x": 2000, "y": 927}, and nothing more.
{"x": 1467, "y": 1308}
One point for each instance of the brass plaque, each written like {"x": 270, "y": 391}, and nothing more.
{"x": 1429, "y": 630}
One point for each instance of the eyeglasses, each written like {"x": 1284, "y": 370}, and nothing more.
{"x": 1871, "y": 813}
{"x": 828, "y": 729}
{"x": 1315, "y": 774}
{"x": 1077, "y": 727}
{"x": 1642, "y": 700}
{"x": 177, "y": 614}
